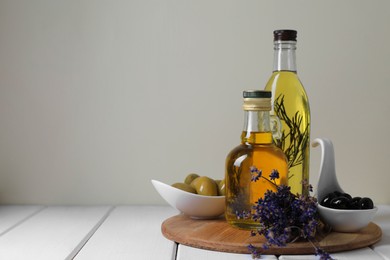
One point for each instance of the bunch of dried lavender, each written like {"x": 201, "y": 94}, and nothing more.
{"x": 284, "y": 217}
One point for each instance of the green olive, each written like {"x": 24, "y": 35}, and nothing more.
{"x": 190, "y": 177}
{"x": 205, "y": 186}
{"x": 221, "y": 188}
{"x": 184, "y": 187}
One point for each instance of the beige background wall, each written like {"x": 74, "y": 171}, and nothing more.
{"x": 99, "y": 97}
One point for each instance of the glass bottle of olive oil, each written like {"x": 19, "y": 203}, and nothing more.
{"x": 256, "y": 149}
{"x": 290, "y": 103}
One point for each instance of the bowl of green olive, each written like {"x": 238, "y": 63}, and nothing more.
{"x": 198, "y": 197}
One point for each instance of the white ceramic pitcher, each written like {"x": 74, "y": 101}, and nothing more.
{"x": 327, "y": 180}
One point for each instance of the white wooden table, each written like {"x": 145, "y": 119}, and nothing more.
{"x": 122, "y": 232}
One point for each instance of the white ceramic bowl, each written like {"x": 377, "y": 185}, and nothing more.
{"x": 344, "y": 220}
{"x": 192, "y": 205}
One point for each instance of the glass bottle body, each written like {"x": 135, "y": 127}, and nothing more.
{"x": 256, "y": 149}
{"x": 290, "y": 104}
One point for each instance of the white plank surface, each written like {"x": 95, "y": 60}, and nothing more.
{"x": 131, "y": 232}
{"x": 11, "y": 216}
{"x": 190, "y": 253}
{"x": 53, "y": 233}
{"x": 125, "y": 232}
{"x": 359, "y": 254}
{"x": 383, "y": 220}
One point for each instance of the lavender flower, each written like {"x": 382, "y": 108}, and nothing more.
{"x": 322, "y": 254}
{"x": 243, "y": 215}
{"x": 254, "y": 251}
{"x": 255, "y": 174}
{"x": 274, "y": 175}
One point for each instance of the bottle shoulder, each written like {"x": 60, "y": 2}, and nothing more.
{"x": 286, "y": 86}
{"x": 282, "y": 80}
{"x": 266, "y": 157}
{"x": 245, "y": 148}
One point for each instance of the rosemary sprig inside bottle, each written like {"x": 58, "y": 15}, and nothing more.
{"x": 297, "y": 138}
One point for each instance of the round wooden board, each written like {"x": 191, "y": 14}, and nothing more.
{"x": 218, "y": 235}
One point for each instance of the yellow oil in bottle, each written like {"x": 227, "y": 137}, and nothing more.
{"x": 256, "y": 149}
{"x": 290, "y": 104}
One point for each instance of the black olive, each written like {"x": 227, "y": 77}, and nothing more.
{"x": 339, "y": 203}
{"x": 342, "y": 200}
{"x": 346, "y": 195}
{"x": 354, "y": 203}
{"x": 326, "y": 200}
{"x": 366, "y": 203}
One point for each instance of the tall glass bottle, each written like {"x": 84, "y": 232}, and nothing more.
{"x": 256, "y": 149}
{"x": 290, "y": 103}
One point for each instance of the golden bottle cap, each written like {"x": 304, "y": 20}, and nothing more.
{"x": 257, "y": 100}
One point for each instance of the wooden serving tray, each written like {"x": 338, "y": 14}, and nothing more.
{"x": 218, "y": 235}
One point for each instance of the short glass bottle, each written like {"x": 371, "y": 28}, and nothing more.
{"x": 256, "y": 149}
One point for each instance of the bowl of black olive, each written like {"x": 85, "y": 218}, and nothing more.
{"x": 344, "y": 213}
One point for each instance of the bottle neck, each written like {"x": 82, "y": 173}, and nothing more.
{"x": 257, "y": 128}
{"x": 284, "y": 56}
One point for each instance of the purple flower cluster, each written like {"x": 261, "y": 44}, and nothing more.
{"x": 255, "y": 173}
{"x": 243, "y": 214}
{"x": 322, "y": 254}
{"x": 283, "y": 216}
